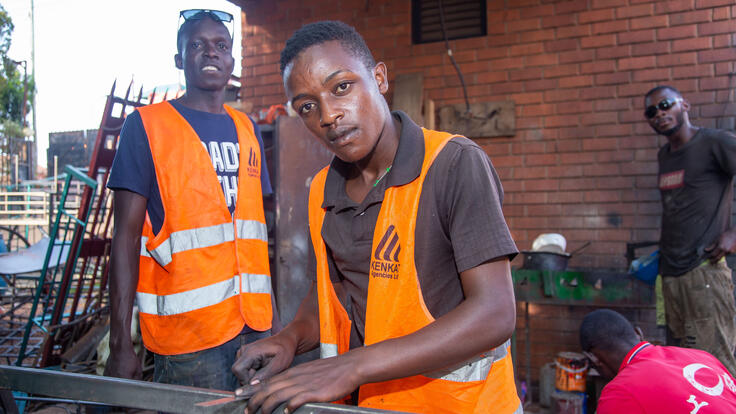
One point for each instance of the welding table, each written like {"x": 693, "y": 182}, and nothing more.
{"x": 81, "y": 389}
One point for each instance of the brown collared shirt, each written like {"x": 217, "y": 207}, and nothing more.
{"x": 460, "y": 224}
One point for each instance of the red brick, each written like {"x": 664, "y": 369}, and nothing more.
{"x": 718, "y": 55}
{"x": 538, "y": 110}
{"x": 601, "y": 92}
{"x": 727, "y": 26}
{"x": 561, "y": 45}
{"x": 577, "y": 56}
{"x": 698, "y": 43}
{"x": 598, "y": 41}
{"x": 539, "y": 11}
{"x": 612, "y": 52}
{"x": 561, "y": 95}
{"x": 692, "y": 16}
{"x": 614, "y": 26}
{"x": 612, "y": 78}
{"x": 697, "y": 71}
{"x": 560, "y": 70}
{"x": 596, "y": 16}
{"x": 575, "y": 82}
{"x": 492, "y": 53}
{"x": 541, "y": 60}
{"x": 526, "y": 49}
{"x": 565, "y": 197}
{"x": 634, "y": 11}
{"x": 558, "y": 20}
{"x": 724, "y": 68}
{"x": 647, "y": 49}
{"x": 638, "y": 36}
{"x": 541, "y": 159}
{"x": 570, "y": 6}
{"x": 721, "y": 13}
{"x": 491, "y": 77}
{"x": 541, "y": 85}
{"x": 648, "y": 22}
{"x": 613, "y": 130}
{"x": 675, "y": 59}
{"x": 561, "y": 120}
{"x": 537, "y": 35}
{"x": 523, "y": 25}
{"x": 664, "y": 7}
{"x": 720, "y": 82}
{"x": 646, "y": 75}
{"x": 597, "y": 118}
{"x": 723, "y": 40}
{"x": 599, "y": 4}
{"x": 525, "y": 74}
{"x": 641, "y": 62}
{"x": 574, "y": 107}
{"x": 573, "y": 31}
{"x": 702, "y": 4}
{"x": 677, "y": 32}
{"x": 525, "y": 98}
{"x": 599, "y": 66}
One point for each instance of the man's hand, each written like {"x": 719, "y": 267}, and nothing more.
{"x": 322, "y": 380}
{"x": 726, "y": 244}
{"x": 263, "y": 359}
{"x": 123, "y": 363}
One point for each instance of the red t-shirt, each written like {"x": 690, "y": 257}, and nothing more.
{"x": 667, "y": 379}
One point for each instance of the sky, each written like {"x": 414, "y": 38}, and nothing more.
{"x": 82, "y": 46}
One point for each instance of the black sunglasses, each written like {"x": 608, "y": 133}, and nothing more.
{"x": 664, "y": 105}
{"x": 195, "y": 14}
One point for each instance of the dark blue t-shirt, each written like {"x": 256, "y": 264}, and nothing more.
{"x": 133, "y": 167}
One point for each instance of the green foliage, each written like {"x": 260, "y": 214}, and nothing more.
{"x": 13, "y": 82}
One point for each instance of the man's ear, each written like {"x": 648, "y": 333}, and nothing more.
{"x": 178, "y": 62}
{"x": 685, "y": 104}
{"x": 380, "y": 74}
{"x": 639, "y": 333}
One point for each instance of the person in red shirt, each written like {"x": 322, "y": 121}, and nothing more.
{"x": 652, "y": 379}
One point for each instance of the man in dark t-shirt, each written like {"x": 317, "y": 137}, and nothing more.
{"x": 150, "y": 138}
{"x": 696, "y": 169}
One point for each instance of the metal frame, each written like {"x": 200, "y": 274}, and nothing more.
{"x": 144, "y": 395}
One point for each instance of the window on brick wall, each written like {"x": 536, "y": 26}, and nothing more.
{"x": 463, "y": 18}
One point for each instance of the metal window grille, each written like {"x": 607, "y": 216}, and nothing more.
{"x": 463, "y": 18}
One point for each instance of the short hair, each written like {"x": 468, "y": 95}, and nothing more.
{"x": 320, "y": 32}
{"x": 661, "y": 88}
{"x": 188, "y": 23}
{"x": 606, "y": 330}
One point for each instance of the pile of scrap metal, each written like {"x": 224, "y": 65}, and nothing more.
{"x": 58, "y": 311}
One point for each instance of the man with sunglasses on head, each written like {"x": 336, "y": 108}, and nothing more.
{"x": 190, "y": 240}
{"x": 696, "y": 169}
{"x": 649, "y": 379}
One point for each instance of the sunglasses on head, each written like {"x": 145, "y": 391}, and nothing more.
{"x": 664, "y": 105}
{"x": 195, "y": 14}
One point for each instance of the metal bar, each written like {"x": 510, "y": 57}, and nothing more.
{"x": 141, "y": 394}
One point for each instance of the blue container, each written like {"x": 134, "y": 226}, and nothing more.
{"x": 646, "y": 268}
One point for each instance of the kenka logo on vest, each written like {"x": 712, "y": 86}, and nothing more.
{"x": 385, "y": 261}
{"x": 252, "y": 168}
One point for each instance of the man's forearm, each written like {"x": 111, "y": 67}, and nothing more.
{"x": 123, "y": 282}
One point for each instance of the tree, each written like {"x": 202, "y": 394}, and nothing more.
{"x": 16, "y": 96}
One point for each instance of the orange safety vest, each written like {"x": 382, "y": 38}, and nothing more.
{"x": 206, "y": 273}
{"x": 396, "y": 308}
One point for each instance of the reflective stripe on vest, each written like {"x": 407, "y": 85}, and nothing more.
{"x": 199, "y": 298}
{"x": 327, "y": 350}
{"x": 144, "y": 251}
{"x": 476, "y": 369}
{"x": 184, "y": 240}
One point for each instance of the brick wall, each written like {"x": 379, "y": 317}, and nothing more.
{"x": 583, "y": 162}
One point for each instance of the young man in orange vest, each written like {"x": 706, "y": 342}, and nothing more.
{"x": 190, "y": 241}
{"x": 412, "y": 303}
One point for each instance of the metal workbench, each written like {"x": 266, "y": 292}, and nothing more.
{"x": 81, "y": 389}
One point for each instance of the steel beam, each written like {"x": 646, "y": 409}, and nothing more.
{"x": 141, "y": 394}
